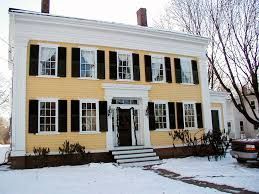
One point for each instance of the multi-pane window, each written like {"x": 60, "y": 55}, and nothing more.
{"x": 48, "y": 61}
{"x": 88, "y": 63}
{"x": 48, "y": 116}
{"x": 125, "y": 66}
{"x": 160, "y": 116}
{"x": 124, "y": 101}
{"x": 186, "y": 70}
{"x": 189, "y": 115}
{"x": 157, "y": 66}
{"x": 88, "y": 116}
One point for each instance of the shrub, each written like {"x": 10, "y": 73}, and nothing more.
{"x": 41, "y": 156}
{"x": 68, "y": 148}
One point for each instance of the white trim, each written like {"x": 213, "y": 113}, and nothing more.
{"x": 48, "y": 133}
{"x": 39, "y": 59}
{"x": 48, "y": 76}
{"x": 89, "y": 49}
{"x": 164, "y": 72}
{"x": 56, "y": 116}
{"x": 195, "y": 115}
{"x": 97, "y": 115}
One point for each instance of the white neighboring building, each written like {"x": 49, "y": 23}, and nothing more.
{"x": 228, "y": 119}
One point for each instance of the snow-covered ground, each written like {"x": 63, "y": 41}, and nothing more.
{"x": 225, "y": 171}
{"x": 93, "y": 179}
{"x": 3, "y": 150}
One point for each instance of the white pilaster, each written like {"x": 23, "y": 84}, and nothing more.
{"x": 146, "y": 132}
{"x": 203, "y": 70}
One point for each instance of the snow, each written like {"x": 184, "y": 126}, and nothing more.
{"x": 225, "y": 171}
{"x": 3, "y": 150}
{"x": 94, "y": 178}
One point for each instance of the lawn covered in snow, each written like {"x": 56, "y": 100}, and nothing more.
{"x": 92, "y": 179}
{"x": 3, "y": 150}
{"x": 225, "y": 171}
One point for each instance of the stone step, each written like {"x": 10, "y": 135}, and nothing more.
{"x": 145, "y": 150}
{"x": 138, "y": 155}
{"x": 130, "y": 160}
{"x": 122, "y": 148}
{"x": 145, "y": 163}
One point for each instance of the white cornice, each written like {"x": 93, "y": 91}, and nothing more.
{"x": 28, "y": 16}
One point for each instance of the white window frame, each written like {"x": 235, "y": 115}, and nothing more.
{"x": 195, "y": 116}
{"x": 131, "y": 65}
{"x": 97, "y": 115}
{"x": 39, "y": 63}
{"x": 95, "y": 58}
{"x": 190, "y": 63}
{"x": 56, "y": 113}
{"x": 167, "y": 115}
{"x": 164, "y": 73}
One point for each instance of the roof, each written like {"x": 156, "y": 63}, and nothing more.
{"x": 145, "y": 29}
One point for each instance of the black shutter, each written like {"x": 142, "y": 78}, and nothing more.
{"x": 103, "y": 116}
{"x": 75, "y": 62}
{"x": 34, "y": 60}
{"x": 151, "y": 114}
{"x": 195, "y": 72}
{"x": 113, "y": 65}
{"x": 136, "y": 73}
{"x": 178, "y": 73}
{"x": 168, "y": 69}
{"x": 62, "y": 116}
{"x": 199, "y": 115}
{"x": 33, "y": 116}
{"x": 171, "y": 115}
{"x": 62, "y": 61}
{"x": 179, "y": 107}
{"x": 148, "y": 69}
{"x": 100, "y": 64}
{"x": 75, "y": 115}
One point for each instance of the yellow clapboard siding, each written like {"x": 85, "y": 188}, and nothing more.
{"x": 162, "y": 138}
{"x": 75, "y": 88}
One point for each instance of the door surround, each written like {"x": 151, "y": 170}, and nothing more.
{"x": 128, "y": 91}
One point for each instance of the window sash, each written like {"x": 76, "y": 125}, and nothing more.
{"x": 47, "y": 116}
{"x": 186, "y": 70}
{"x": 88, "y": 63}
{"x": 158, "y": 69}
{"x": 124, "y": 66}
{"x": 48, "y": 63}
{"x": 161, "y": 113}
{"x": 189, "y": 114}
{"x": 88, "y": 116}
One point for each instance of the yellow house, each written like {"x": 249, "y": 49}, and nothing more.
{"x": 105, "y": 85}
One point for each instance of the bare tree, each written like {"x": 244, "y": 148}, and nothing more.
{"x": 4, "y": 93}
{"x": 233, "y": 53}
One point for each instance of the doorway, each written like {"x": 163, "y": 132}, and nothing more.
{"x": 124, "y": 127}
{"x": 215, "y": 120}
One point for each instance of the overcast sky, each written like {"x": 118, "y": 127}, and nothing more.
{"x": 121, "y": 11}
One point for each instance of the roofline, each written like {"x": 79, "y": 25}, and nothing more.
{"x": 182, "y": 36}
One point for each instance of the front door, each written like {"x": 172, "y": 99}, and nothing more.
{"x": 215, "y": 120}
{"x": 124, "y": 128}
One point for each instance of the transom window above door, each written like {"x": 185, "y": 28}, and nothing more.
{"x": 124, "y": 101}
{"x": 88, "y": 67}
{"x": 48, "y": 60}
{"x": 158, "y": 69}
{"x": 124, "y": 65}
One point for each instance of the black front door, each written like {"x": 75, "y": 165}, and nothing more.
{"x": 215, "y": 120}
{"x": 124, "y": 128}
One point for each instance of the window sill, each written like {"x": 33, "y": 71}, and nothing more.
{"x": 47, "y": 76}
{"x": 189, "y": 84}
{"x": 89, "y": 132}
{"x": 87, "y": 78}
{"x": 125, "y": 80}
{"x": 163, "y": 130}
{"x": 48, "y": 133}
{"x": 156, "y": 82}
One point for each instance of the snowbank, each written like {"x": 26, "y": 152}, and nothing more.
{"x": 3, "y": 150}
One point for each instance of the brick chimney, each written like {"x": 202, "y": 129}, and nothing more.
{"x": 44, "y": 6}
{"x": 142, "y": 16}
